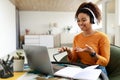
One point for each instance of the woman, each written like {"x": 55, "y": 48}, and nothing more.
{"x": 90, "y": 47}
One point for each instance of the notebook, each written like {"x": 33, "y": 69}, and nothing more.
{"x": 38, "y": 59}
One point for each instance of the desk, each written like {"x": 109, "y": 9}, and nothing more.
{"x": 19, "y": 74}
{"x": 32, "y": 76}
{"x": 16, "y": 75}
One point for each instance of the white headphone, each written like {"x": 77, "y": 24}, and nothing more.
{"x": 95, "y": 19}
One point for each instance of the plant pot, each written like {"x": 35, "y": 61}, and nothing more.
{"x": 18, "y": 64}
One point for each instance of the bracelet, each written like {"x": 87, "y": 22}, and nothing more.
{"x": 93, "y": 54}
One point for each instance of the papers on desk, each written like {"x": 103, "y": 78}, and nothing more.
{"x": 88, "y": 73}
{"x": 28, "y": 76}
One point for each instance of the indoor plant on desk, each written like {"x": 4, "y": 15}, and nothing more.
{"x": 18, "y": 62}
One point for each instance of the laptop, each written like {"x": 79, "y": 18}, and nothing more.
{"x": 38, "y": 59}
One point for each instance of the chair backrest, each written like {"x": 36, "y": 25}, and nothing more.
{"x": 113, "y": 66}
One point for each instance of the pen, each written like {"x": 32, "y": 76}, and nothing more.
{"x": 8, "y": 58}
{"x": 11, "y": 61}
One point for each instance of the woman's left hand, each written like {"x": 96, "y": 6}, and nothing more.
{"x": 78, "y": 49}
{"x": 87, "y": 49}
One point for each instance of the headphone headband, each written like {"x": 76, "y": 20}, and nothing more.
{"x": 95, "y": 20}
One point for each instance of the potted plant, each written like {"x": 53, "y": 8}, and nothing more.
{"x": 18, "y": 62}
{"x": 19, "y": 56}
{"x": 27, "y": 31}
{"x": 69, "y": 28}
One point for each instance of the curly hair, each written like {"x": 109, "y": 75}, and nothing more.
{"x": 92, "y": 7}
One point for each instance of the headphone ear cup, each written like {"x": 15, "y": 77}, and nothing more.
{"x": 92, "y": 21}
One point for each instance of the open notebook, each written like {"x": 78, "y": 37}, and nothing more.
{"x": 88, "y": 73}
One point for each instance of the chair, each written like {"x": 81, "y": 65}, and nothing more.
{"x": 113, "y": 67}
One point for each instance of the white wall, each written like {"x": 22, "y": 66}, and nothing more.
{"x": 117, "y": 29}
{"x": 117, "y": 11}
{"x": 117, "y": 36}
{"x": 111, "y": 27}
{"x": 7, "y": 28}
{"x": 38, "y": 22}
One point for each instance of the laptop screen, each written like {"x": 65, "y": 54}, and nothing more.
{"x": 38, "y": 58}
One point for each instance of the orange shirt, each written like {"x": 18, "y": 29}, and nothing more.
{"x": 99, "y": 42}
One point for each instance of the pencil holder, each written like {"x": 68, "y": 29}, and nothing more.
{"x": 6, "y": 69}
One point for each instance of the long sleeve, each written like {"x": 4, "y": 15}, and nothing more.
{"x": 99, "y": 42}
{"x": 104, "y": 53}
{"x": 73, "y": 56}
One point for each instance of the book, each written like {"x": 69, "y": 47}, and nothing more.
{"x": 88, "y": 73}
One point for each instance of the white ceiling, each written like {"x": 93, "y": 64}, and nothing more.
{"x": 49, "y": 5}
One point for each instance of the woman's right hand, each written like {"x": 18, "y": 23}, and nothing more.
{"x": 63, "y": 49}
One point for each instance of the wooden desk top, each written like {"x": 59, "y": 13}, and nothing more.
{"x": 16, "y": 75}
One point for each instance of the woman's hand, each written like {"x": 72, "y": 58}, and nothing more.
{"x": 86, "y": 49}
{"x": 89, "y": 49}
{"x": 63, "y": 49}
{"x": 78, "y": 49}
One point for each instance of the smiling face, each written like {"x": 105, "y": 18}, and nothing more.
{"x": 83, "y": 21}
